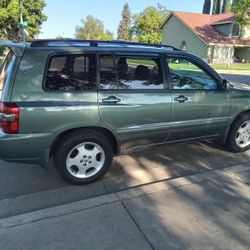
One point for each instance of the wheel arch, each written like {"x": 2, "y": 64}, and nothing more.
{"x": 104, "y": 131}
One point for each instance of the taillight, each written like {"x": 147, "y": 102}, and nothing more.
{"x": 9, "y": 117}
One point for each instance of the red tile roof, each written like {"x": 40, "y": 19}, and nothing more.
{"x": 203, "y": 25}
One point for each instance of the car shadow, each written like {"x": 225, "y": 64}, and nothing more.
{"x": 170, "y": 161}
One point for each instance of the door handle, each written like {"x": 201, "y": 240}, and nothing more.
{"x": 111, "y": 99}
{"x": 180, "y": 99}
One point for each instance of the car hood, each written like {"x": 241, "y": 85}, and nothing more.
{"x": 239, "y": 86}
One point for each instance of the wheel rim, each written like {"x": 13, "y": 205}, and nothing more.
{"x": 85, "y": 160}
{"x": 242, "y": 137}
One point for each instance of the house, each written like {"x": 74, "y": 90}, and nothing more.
{"x": 214, "y": 38}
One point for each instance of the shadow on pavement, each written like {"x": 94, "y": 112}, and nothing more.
{"x": 210, "y": 215}
{"x": 168, "y": 162}
{"x": 26, "y": 188}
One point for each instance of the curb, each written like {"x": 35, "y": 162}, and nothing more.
{"x": 62, "y": 210}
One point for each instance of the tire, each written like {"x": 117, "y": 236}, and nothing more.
{"x": 239, "y": 135}
{"x": 83, "y": 157}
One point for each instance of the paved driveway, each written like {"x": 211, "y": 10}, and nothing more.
{"x": 25, "y": 188}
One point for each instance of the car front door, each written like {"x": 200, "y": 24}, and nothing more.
{"x": 200, "y": 106}
{"x": 133, "y": 98}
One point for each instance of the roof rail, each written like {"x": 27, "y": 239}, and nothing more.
{"x": 93, "y": 43}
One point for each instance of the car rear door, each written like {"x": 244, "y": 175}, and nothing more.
{"x": 134, "y": 99}
{"x": 200, "y": 105}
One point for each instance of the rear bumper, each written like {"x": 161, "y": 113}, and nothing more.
{"x": 25, "y": 148}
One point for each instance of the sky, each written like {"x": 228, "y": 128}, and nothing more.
{"x": 64, "y": 15}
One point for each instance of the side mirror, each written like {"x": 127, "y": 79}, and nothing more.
{"x": 225, "y": 84}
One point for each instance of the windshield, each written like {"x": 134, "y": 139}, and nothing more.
{"x": 5, "y": 68}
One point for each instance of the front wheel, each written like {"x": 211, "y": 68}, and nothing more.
{"x": 239, "y": 135}
{"x": 83, "y": 158}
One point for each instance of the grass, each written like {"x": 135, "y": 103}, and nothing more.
{"x": 148, "y": 63}
{"x": 182, "y": 66}
{"x": 234, "y": 66}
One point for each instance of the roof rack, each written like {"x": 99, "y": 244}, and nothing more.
{"x": 93, "y": 43}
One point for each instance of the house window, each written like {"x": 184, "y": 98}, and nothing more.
{"x": 236, "y": 30}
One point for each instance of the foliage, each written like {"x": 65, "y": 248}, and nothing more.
{"x": 234, "y": 1}
{"x": 216, "y": 7}
{"x": 206, "y": 7}
{"x": 147, "y": 24}
{"x": 124, "y": 28}
{"x": 226, "y": 7}
{"x": 92, "y": 29}
{"x": 9, "y": 17}
{"x": 234, "y": 66}
{"x": 242, "y": 13}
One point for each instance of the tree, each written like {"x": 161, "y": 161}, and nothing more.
{"x": 216, "y": 7}
{"x": 9, "y": 18}
{"x": 92, "y": 29}
{"x": 124, "y": 28}
{"x": 207, "y": 7}
{"x": 226, "y": 7}
{"x": 234, "y": 1}
{"x": 242, "y": 13}
{"x": 147, "y": 24}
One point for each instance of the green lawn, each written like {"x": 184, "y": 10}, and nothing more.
{"x": 235, "y": 66}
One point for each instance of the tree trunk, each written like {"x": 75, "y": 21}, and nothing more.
{"x": 207, "y": 7}
{"x": 226, "y": 7}
{"x": 216, "y": 7}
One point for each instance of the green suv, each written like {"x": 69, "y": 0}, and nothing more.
{"x": 82, "y": 102}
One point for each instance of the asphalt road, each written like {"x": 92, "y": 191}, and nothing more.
{"x": 238, "y": 77}
{"x": 25, "y": 188}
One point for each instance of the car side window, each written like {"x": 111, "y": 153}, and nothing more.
{"x": 5, "y": 68}
{"x": 139, "y": 72}
{"x": 108, "y": 77}
{"x": 71, "y": 73}
{"x": 188, "y": 75}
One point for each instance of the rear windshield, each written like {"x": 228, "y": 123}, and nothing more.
{"x": 5, "y": 67}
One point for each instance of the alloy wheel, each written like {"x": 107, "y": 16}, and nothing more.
{"x": 85, "y": 160}
{"x": 242, "y": 137}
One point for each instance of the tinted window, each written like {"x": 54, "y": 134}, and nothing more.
{"x": 71, "y": 73}
{"x": 6, "y": 68}
{"x": 57, "y": 63}
{"x": 81, "y": 64}
{"x": 187, "y": 75}
{"x": 139, "y": 72}
{"x": 108, "y": 77}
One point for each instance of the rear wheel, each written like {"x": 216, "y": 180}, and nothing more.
{"x": 239, "y": 135}
{"x": 83, "y": 158}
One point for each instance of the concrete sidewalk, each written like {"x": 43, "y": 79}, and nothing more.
{"x": 203, "y": 211}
